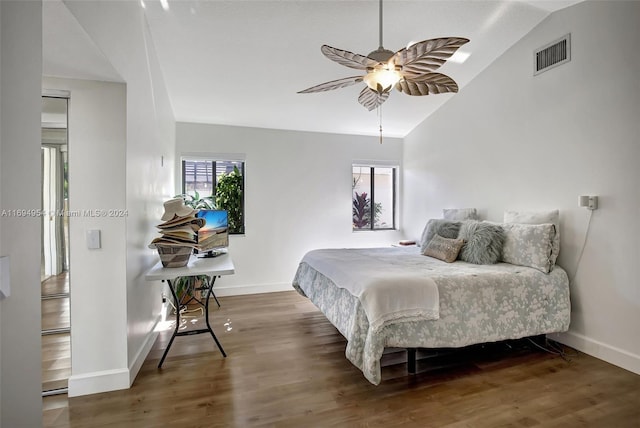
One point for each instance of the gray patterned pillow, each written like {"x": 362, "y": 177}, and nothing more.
{"x": 528, "y": 245}
{"x": 483, "y": 242}
{"x": 445, "y": 228}
{"x": 538, "y": 217}
{"x": 445, "y": 249}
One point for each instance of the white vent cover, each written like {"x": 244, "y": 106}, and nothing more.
{"x": 552, "y": 55}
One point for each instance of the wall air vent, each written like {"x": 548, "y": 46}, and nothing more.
{"x": 552, "y": 55}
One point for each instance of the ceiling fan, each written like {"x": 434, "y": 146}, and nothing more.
{"x": 410, "y": 70}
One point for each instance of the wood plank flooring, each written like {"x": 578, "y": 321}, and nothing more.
{"x": 286, "y": 368}
{"x": 56, "y": 348}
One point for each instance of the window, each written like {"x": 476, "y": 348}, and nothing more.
{"x": 223, "y": 180}
{"x": 374, "y": 197}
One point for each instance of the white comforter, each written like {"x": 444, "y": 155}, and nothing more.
{"x": 477, "y": 303}
{"x": 389, "y": 293}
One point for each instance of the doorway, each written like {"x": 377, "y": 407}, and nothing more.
{"x": 54, "y": 266}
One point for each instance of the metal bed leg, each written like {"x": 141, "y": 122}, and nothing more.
{"x": 411, "y": 360}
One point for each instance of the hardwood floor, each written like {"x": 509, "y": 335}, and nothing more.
{"x": 57, "y": 284}
{"x": 56, "y": 361}
{"x": 56, "y": 348}
{"x": 286, "y": 368}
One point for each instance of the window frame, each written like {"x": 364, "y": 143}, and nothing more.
{"x": 213, "y": 158}
{"x": 372, "y": 165}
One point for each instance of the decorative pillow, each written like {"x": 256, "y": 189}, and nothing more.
{"x": 528, "y": 245}
{"x": 445, "y": 228}
{"x": 483, "y": 242}
{"x": 445, "y": 249}
{"x": 460, "y": 214}
{"x": 539, "y": 217}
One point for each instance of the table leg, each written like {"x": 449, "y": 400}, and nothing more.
{"x": 175, "y": 330}
{"x": 206, "y": 314}
{"x": 210, "y": 284}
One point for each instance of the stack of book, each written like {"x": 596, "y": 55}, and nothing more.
{"x": 180, "y": 231}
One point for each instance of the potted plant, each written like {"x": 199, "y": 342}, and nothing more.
{"x": 190, "y": 287}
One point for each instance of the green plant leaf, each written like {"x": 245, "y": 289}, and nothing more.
{"x": 229, "y": 197}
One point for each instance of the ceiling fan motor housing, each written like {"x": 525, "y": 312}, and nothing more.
{"x": 381, "y": 54}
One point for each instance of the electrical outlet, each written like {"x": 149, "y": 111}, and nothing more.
{"x": 589, "y": 202}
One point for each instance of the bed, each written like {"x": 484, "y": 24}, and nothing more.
{"x": 475, "y": 303}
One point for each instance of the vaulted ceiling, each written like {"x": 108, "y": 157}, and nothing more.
{"x": 242, "y": 62}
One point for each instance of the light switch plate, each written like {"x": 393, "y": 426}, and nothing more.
{"x": 5, "y": 278}
{"x": 93, "y": 239}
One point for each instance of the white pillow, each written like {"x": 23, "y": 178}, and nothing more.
{"x": 528, "y": 245}
{"x": 460, "y": 214}
{"x": 539, "y": 217}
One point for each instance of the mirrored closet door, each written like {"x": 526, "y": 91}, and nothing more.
{"x": 54, "y": 266}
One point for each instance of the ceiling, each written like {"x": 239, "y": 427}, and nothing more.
{"x": 242, "y": 62}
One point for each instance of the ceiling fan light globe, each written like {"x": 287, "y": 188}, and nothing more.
{"x": 382, "y": 79}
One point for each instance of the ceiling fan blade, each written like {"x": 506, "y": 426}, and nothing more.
{"x": 334, "y": 84}
{"x": 423, "y": 57}
{"x": 372, "y": 99}
{"x": 348, "y": 59}
{"x": 430, "y": 83}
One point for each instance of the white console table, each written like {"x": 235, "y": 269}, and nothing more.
{"x": 213, "y": 267}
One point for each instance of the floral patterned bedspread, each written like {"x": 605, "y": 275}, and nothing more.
{"x": 478, "y": 303}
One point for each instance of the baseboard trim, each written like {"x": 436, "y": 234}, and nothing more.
{"x": 144, "y": 350}
{"x": 252, "y": 289}
{"x": 116, "y": 379}
{"x": 96, "y": 382}
{"x": 610, "y": 354}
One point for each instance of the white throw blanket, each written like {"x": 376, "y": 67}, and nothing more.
{"x": 388, "y": 293}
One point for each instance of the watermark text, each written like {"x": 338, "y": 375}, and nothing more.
{"x": 36, "y": 212}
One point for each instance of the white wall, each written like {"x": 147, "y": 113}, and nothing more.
{"x": 297, "y": 196}
{"x": 509, "y": 140}
{"x": 120, "y": 30}
{"x": 97, "y": 151}
{"x": 20, "y": 105}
